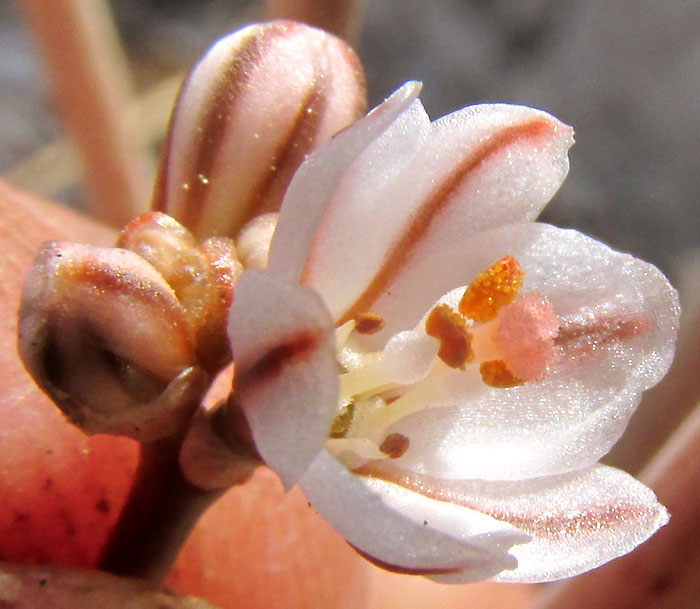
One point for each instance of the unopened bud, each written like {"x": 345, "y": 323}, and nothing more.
{"x": 105, "y": 336}
{"x": 209, "y": 462}
{"x": 201, "y": 276}
{"x": 254, "y": 241}
{"x": 248, "y": 114}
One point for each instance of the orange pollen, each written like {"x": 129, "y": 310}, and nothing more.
{"x": 394, "y": 445}
{"x": 369, "y": 323}
{"x": 451, "y": 330}
{"x": 494, "y": 288}
{"x": 496, "y": 374}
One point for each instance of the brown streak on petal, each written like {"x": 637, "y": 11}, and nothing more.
{"x": 435, "y": 203}
{"x": 299, "y": 142}
{"x": 596, "y": 332}
{"x": 295, "y": 349}
{"x": 102, "y": 278}
{"x": 543, "y": 524}
{"x": 213, "y": 121}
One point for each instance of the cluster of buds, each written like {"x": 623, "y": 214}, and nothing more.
{"x": 124, "y": 339}
{"x": 127, "y": 340}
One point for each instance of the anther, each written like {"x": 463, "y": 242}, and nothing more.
{"x": 451, "y": 330}
{"x": 394, "y": 445}
{"x": 496, "y": 374}
{"x": 492, "y": 289}
{"x": 369, "y": 323}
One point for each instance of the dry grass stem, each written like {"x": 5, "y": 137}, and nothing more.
{"x": 340, "y": 17}
{"x": 91, "y": 85}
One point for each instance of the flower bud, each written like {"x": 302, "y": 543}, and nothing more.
{"x": 104, "y": 335}
{"x": 201, "y": 276}
{"x": 253, "y": 244}
{"x": 259, "y": 101}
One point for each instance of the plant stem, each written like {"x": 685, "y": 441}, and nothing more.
{"x": 91, "y": 84}
{"x": 160, "y": 512}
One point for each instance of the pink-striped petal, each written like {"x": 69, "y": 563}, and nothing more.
{"x": 478, "y": 168}
{"x": 314, "y": 186}
{"x": 620, "y": 319}
{"x": 257, "y": 103}
{"x": 577, "y": 521}
{"x": 405, "y": 531}
{"x": 286, "y": 376}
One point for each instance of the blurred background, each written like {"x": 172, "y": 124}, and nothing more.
{"x": 625, "y": 74}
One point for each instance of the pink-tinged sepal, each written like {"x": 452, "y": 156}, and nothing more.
{"x": 405, "y": 531}
{"x": 286, "y": 375}
{"x": 313, "y": 190}
{"x": 573, "y": 522}
{"x": 259, "y": 101}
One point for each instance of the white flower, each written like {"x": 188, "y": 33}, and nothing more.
{"x": 440, "y": 373}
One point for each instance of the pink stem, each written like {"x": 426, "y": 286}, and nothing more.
{"x": 90, "y": 84}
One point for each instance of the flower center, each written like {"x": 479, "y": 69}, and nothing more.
{"x": 510, "y": 336}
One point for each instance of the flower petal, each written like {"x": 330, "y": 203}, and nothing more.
{"x": 286, "y": 376}
{"x": 577, "y": 521}
{"x": 253, "y": 107}
{"x": 314, "y": 186}
{"x": 473, "y": 170}
{"x": 621, "y": 319}
{"x": 405, "y": 531}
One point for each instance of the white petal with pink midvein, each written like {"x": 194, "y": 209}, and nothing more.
{"x": 460, "y": 428}
{"x": 577, "y": 521}
{"x": 507, "y": 170}
{"x": 364, "y": 217}
{"x": 405, "y": 530}
{"x": 290, "y": 402}
{"x": 314, "y": 185}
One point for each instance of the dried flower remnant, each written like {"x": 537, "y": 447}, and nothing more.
{"x": 258, "y": 102}
{"x": 501, "y": 370}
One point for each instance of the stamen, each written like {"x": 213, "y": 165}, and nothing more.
{"x": 451, "y": 330}
{"x": 496, "y": 374}
{"x": 394, "y": 445}
{"x": 369, "y": 323}
{"x": 494, "y": 288}
{"x": 341, "y": 423}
